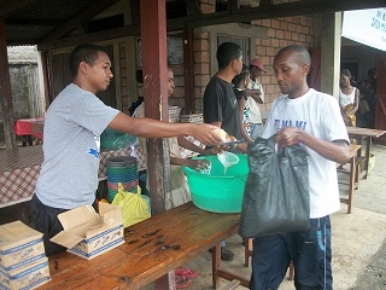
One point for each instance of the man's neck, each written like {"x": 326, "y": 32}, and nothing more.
{"x": 225, "y": 75}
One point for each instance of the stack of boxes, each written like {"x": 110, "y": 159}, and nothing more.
{"x": 23, "y": 261}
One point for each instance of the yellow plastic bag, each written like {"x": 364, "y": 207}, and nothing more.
{"x": 133, "y": 206}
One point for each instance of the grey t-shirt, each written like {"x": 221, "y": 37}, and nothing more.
{"x": 73, "y": 124}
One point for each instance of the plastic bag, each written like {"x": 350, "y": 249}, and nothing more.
{"x": 276, "y": 196}
{"x": 115, "y": 140}
{"x": 134, "y": 207}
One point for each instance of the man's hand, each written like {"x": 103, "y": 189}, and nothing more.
{"x": 207, "y": 134}
{"x": 288, "y": 136}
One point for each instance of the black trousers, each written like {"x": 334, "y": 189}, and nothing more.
{"x": 45, "y": 220}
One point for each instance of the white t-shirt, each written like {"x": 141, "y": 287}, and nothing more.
{"x": 254, "y": 109}
{"x": 318, "y": 114}
{"x": 349, "y": 99}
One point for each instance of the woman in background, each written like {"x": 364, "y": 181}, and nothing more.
{"x": 348, "y": 98}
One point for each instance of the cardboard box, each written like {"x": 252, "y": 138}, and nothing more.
{"x": 19, "y": 245}
{"x": 28, "y": 277}
{"x": 88, "y": 234}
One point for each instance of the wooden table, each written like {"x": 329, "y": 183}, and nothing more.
{"x": 360, "y": 134}
{"x": 152, "y": 248}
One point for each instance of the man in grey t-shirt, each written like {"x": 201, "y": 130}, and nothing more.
{"x": 73, "y": 124}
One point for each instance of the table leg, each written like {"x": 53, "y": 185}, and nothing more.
{"x": 216, "y": 264}
{"x": 367, "y": 156}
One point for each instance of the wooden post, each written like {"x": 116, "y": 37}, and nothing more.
{"x": 189, "y": 71}
{"x": 154, "y": 66}
{"x": 5, "y": 91}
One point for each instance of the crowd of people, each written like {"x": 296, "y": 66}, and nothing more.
{"x": 232, "y": 99}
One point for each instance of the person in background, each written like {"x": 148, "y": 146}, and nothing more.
{"x": 255, "y": 97}
{"x": 73, "y": 124}
{"x": 311, "y": 118}
{"x": 348, "y": 98}
{"x": 368, "y": 100}
{"x": 135, "y": 105}
{"x": 180, "y": 193}
{"x": 240, "y": 83}
{"x": 220, "y": 104}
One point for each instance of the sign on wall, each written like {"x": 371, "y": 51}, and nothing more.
{"x": 366, "y": 26}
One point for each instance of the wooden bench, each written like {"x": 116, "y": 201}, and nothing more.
{"x": 152, "y": 249}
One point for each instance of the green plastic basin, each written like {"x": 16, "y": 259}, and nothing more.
{"x": 216, "y": 192}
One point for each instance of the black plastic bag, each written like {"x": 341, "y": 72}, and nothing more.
{"x": 276, "y": 197}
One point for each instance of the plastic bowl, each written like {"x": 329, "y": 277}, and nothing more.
{"x": 216, "y": 192}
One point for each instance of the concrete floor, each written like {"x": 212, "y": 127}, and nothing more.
{"x": 358, "y": 240}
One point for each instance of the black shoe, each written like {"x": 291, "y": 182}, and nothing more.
{"x": 226, "y": 254}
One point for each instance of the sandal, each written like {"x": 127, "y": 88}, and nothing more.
{"x": 182, "y": 283}
{"x": 185, "y": 272}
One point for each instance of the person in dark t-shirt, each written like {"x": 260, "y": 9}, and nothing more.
{"x": 220, "y": 103}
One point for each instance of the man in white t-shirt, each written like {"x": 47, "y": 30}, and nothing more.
{"x": 303, "y": 115}
{"x": 255, "y": 97}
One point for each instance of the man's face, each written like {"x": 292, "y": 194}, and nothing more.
{"x": 171, "y": 84}
{"x": 99, "y": 74}
{"x": 290, "y": 73}
{"x": 256, "y": 72}
{"x": 237, "y": 65}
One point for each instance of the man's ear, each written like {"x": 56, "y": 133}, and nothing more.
{"x": 306, "y": 69}
{"x": 83, "y": 67}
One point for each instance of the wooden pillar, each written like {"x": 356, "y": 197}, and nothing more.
{"x": 154, "y": 66}
{"x": 330, "y": 46}
{"x": 5, "y": 91}
{"x": 189, "y": 71}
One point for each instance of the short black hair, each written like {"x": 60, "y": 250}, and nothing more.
{"x": 303, "y": 54}
{"x": 227, "y": 52}
{"x": 87, "y": 52}
{"x": 346, "y": 73}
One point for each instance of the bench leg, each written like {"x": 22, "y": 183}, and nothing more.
{"x": 248, "y": 252}
{"x": 353, "y": 165}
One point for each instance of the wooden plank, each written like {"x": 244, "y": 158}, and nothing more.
{"x": 5, "y": 91}
{"x": 365, "y": 132}
{"x": 152, "y": 248}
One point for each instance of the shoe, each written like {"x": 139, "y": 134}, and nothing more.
{"x": 226, "y": 254}
{"x": 182, "y": 283}
{"x": 185, "y": 272}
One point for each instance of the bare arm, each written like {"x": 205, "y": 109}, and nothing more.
{"x": 255, "y": 94}
{"x": 244, "y": 133}
{"x": 336, "y": 151}
{"x": 150, "y": 128}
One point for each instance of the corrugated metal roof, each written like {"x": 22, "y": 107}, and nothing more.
{"x": 31, "y": 23}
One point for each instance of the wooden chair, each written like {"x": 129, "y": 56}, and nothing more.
{"x": 353, "y": 177}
